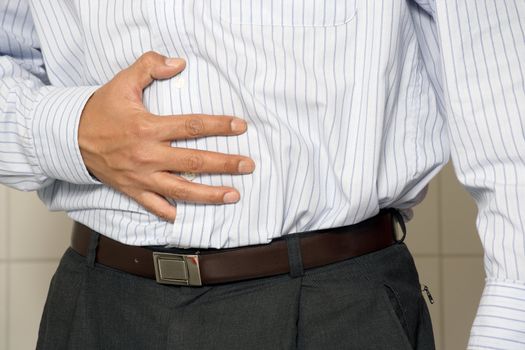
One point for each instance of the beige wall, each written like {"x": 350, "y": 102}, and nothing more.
{"x": 442, "y": 238}
{"x": 449, "y": 257}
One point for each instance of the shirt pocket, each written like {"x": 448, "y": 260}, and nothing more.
{"x": 286, "y": 13}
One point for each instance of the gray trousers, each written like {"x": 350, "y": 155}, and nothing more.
{"x": 369, "y": 302}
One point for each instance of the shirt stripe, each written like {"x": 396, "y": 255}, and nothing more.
{"x": 352, "y": 106}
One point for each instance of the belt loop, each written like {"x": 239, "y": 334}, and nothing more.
{"x": 401, "y": 221}
{"x": 92, "y": 250}
{"x": 295, "y": 259}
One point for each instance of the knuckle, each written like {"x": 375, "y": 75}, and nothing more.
{"x": 193, "y": 163}
{"x": 137, "y": 179}
{"x": 127, "y": 187}
{"x": 194, "y": 126}
{"x": 179, "y": 192}
{"x": 142, "y": 155}
{"x": 230, "y": 165}
{"x": 128, "y": 191}
{"x": 119, "y": 77}
{"x": 149, "y": 58}
{"x": 143, "y": 129}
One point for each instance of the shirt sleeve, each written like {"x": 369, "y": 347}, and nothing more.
{"x": 38, "y": 121}
{"x": 481, "y": 68}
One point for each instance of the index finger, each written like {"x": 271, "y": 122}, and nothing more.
{"x": 190, "y": 126}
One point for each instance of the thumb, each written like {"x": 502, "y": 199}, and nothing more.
{"x": 153, "y": 66}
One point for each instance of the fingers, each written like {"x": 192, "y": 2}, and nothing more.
{"x": 157, "y": 205}
{"x": 192, "y": 126}
{"x": 127, "y": 147}
{"x": 196, "y": 161}
{"x": 153, "y": 66}
{"x": 179, "y": 189}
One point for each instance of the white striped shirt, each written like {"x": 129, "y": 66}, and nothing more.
{"x": 352, "y": 106}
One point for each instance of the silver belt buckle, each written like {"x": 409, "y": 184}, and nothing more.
{"x": 177, "y": 269}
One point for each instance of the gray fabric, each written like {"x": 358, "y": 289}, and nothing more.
{"x": 370, "y": 302}
{"x": 295, "y": 260}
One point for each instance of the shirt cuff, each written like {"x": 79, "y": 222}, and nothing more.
{"x": 500, "y": 321}
{"x": 56, "y": 118}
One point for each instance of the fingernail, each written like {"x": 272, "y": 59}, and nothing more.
{"x": 174, "y": 62}
{"x": 231, "y": 197}
{"x": 246, "y": 166}
{"x": 238, "y": 125}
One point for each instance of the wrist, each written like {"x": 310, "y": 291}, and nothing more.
{"x": 55, "y": 127}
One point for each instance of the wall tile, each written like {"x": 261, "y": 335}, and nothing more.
{"x": 459, "y": 214}
{"x": 36, "y": 233}
{"x": 423, "y": 229}
{"x": 28, "y": 287}
{"x": 3, "y": 223}
{"x": 429, "y": 274}
{"x": 3, "y": 306}
{"x": 463, "y": 282}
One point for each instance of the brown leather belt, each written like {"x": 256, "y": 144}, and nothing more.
{"x": 213, "y": 266}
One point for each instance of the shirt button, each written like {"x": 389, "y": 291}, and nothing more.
{"x": 179, "y": 82}
{"x": 189, "y": 176}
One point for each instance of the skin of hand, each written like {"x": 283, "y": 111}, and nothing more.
{"x": 129, "y": 149}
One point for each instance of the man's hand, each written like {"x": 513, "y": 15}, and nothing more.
{"x": 129, "y": 149}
